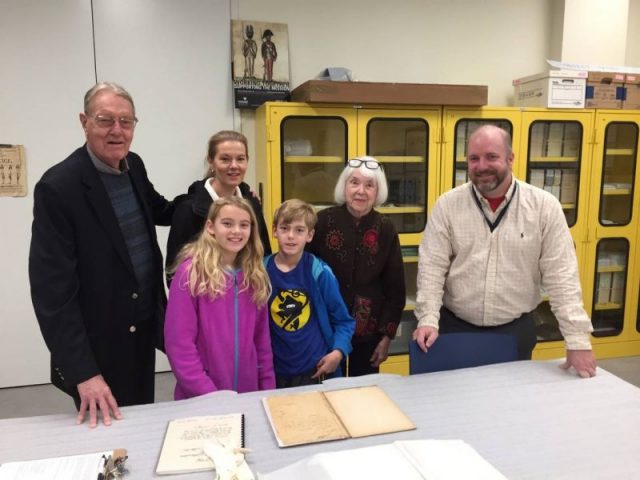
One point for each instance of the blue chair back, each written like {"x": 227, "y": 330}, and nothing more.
{"x": 461, "y": 350}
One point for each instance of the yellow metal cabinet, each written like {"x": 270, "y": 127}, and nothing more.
{"x": 587, "y": 158}
{"x": 612, "y": 260}
{"x": 556, "y": 152}
{"x": 302, "y": 148}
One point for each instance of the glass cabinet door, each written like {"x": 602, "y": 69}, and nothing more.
{"x": 401, "y": 146}
{"x": 610, "y": 286}
{"x": 314, "y": 152}
{"x": 553, "y": 162}
{"x": 555, "y": 156}
{"x": 613, "y": 228}
{"x": 618, "y": 173}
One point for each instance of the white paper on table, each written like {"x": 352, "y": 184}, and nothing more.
{"x": 60, "y": 468}
{"x": 406, "y": 460}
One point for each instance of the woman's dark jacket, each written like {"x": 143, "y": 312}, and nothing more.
{"x": 191, "y": 214}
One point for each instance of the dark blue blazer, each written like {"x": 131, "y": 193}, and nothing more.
{"x": 83, "y": 286}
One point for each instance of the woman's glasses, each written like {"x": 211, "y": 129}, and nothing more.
{"x": 370, "y": 164}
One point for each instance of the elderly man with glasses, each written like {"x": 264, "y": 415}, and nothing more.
{"x": 94, "y": 263}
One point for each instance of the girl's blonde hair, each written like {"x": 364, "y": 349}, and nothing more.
{"x": 206, "y": 274}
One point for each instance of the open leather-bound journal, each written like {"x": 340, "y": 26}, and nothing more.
{"x": 312, "y": 417}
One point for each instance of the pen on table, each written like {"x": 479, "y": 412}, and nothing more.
{"x": 105, "y": 460}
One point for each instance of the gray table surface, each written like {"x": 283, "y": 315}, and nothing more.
{"x": 528, "y": 419}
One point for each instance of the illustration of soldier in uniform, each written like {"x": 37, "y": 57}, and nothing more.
{"x": 249, "y": 50}
{"x": 269, "y": 54}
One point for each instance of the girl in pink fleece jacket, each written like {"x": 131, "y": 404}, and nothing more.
{"x": 216, "y": 326}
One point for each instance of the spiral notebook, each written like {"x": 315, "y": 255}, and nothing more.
{"x": 182, "y": 449}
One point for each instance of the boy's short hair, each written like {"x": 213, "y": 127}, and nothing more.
{"x": 295, "y": 209}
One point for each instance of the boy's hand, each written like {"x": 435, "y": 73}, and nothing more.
{"x": 328, "y": 363}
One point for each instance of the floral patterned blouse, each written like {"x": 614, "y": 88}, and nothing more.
{"x": 367, "y": 260}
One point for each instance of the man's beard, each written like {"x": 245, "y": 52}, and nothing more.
{"x": 488, "y": 187}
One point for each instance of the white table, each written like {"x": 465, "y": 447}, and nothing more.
{"x": 528, "y": 419}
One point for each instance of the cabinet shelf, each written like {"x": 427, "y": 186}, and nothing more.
{"x": 399, "y": 158}
{"x": 607, "y": 306}
{"x": 605, "y": 331}
{"x": 553, "y": 159}
{"x": 611, "y": 268}
{"x": 321, "y": 206}
{"x": 400, "y": 209}
{"x": 313, "y": 159}
{"x": 619, "y": 151}
{"x": 409, "y": 306}
{"x": 616, "y": 191}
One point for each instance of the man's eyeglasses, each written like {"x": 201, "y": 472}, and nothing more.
{"x": 106, "y": 121}
{"x": 370, "y": 164}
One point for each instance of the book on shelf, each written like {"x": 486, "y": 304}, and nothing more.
{"x": 555, "y": 139}
{"x": 549, "y": 177}
{"x": 604, "y": 287}
{"x": 183, "y": 445}
{"x": 569, "y": 186}
{"x": 572, "y": 139}
{"x": 538, "y": 139}
{"x": 405, "y": 459}
{"x": 617, "y": 287}
{"x": 536, "y": 177}
{"x": 311, "y": 417}
{"x": 461, "y": 141}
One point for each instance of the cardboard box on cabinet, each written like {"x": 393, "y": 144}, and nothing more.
{"x": 632, "y": 92}
{"x": 605, "y": 90}
{"x": 324, "y": 91}
{"x": 551, "y": 89}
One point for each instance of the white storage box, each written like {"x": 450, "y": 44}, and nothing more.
{"x": 551, "y": 89}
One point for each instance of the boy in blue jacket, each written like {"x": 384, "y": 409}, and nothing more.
{"x": 310, "y": 325}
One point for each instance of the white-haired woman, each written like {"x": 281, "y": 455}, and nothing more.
{"x": 363, "y": 249}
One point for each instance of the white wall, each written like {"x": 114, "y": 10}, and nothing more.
{"x": 633, "y": 35}
{"x": 172, "y": 57}
{"x": 47, "y": 64}
{"x": 595, "y": 31}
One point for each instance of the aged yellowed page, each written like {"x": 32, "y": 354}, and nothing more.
{"x": 312, "y": 417}
{"x": 303, "y": 418}
{"x": 368, "y": 411}
{"x": 13, "y": 171}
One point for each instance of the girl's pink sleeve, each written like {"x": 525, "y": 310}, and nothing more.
{"x": 180, "y": 333}
{"x": 262, "y": 339}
